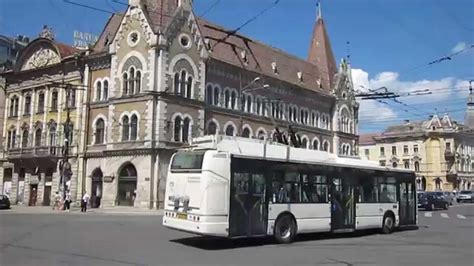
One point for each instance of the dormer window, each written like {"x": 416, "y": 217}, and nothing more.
{"x": 274, "y": 68}
{"x": 243, "y": 56}
{"x": 300, "y": 76}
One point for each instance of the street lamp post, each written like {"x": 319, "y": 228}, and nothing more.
{"x": 241, "y": 93}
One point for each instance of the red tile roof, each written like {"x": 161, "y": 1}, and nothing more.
{"x": 65, "y": 50}
{"x": 259, "y": 56}
{"x": 368, "y": 139}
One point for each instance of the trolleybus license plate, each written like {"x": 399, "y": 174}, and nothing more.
{"x": 183, "y": 216}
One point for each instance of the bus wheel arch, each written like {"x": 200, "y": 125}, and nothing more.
{"x": 285, "y": 228}
{"x": 388, "y": 222}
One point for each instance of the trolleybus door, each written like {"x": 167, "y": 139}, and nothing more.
{"x": 342, "y": 205}
{"x": 248, "y": 208}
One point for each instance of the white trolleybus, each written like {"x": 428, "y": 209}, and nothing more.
{"x": 235, "y": 187}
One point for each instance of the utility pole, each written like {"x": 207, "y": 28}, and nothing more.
{"x": 65, "y": 166}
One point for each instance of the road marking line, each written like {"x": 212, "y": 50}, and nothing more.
{"x": 428, "y": 214}
{"x": 461, "y": 216}
{"x": 444, "y": 215}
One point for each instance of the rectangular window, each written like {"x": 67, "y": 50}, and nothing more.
{"x": 394, "y": 150}
{"x": 41, "y": 103}
{"x": 314, "y": 188}
{"x": 368, "y": 190}
{"x": 27, "y": 105}
{"x": 54, "y": 101}
{"x": 405, "y": 149}
{"x": 382, "y": 151}
{"x": 448, "y": 146}
{"x": 415, "y": 148}
{"x": 366, "y": 151}
{"x": 286, "y": 187}
{"x": 382, "y": 163}
{"x": 387, "y": 190}
{"x": 187, "y": 161}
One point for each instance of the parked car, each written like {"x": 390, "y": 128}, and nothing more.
{"x": 419, "y": 196}
{"x": 433, "y": 200}
{"x": 4, "y": 202}
{"x": 449, "y": 196}
{"x": 465, "y": 196}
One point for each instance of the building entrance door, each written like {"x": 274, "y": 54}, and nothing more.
{"x": 33, "y": 195}
{"x": 47, "y": 196}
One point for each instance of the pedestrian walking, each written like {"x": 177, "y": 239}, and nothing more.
{"x": 67, "y": 201}
{"x": 84, "y": 201}
{"x": 57, "y": 201}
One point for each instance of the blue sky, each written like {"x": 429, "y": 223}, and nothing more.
{"x": 391, "y": 42}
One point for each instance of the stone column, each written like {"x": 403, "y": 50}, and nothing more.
{"x": 40, "y": 192}
{"x": 14, "y": 192}
{"x": 26, "y": 197}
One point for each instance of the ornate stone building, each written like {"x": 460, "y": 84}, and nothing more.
{"x": 34, "y": 119}
{"x": 159, "y": 76}
{"x": 439, "y": 150}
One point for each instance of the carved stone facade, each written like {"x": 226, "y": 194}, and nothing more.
{"x": 159, "y": 76}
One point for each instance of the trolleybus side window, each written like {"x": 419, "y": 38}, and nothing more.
{"x": 286, "y": 187}
{"x": 387, "y": 189}
{"x": 187, "y": 161}
{"x": 315, "y": 188}
{"x": 368, "y": 188}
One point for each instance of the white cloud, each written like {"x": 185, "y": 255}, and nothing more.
{"x": 446, "y": 95}
{"x": 459, "y": 46}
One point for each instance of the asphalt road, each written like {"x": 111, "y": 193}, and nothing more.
{"x": 443, "y": 238}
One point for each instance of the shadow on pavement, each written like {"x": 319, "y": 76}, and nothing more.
{"x": 216, "y": 243}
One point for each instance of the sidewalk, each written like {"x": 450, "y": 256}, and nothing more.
{"x": 22, "y": 209}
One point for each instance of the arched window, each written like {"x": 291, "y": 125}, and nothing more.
{"x": 70, "y": 138}
{"x": 125, "y": 83}
{"x": 258, "y": 106}
{"x": 406, "y": 164}
{"x": 38, "y": 133}
{"x": 233, "y": 100}
{"x": 326, "y": 146}
{"x": 177, "y": 129}
{"x": 209, "y": 95}
{"x": 182, "y": 83}
{"x": 11, "y": 139}
{"x": 105, "y": 95}
{"x": 212, "y": 128}
{"x": 186, "y": 126}
{"x": 261, "y": 135}
{"x": 54, "y": 101}
{"x": 138, "y": 82}
{"x": 246, "y": 133}
{"x": 24, "y": 139}
{"x": 304, "y": 143}
{"x": 315, "y": 144}
{"x": 226, "y": 98}
{"x": 125, "y": 128}
{"x": 302, "y": 116}
{"x": 131, "y": 81}
{"x": 216, "y": 96}
{"x": 27, "y": 104}
{"x": 134, "y": 128}
{"x": 176, "y": 84}
{"x": 249, "y": 104}
{"x": 229, "y": 131}
{"x": 52, "y": 140}
{"x": 189, "y": 86}
{"x": 98, "y": 91}
{"x": 290, "y": 113}
{"x": 417, "y": 167}
{"x": 100, "y": 131}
